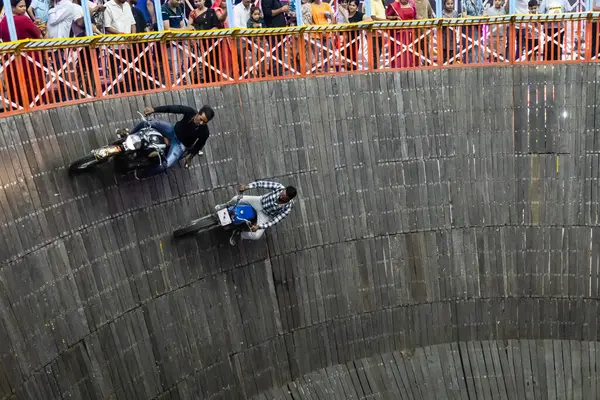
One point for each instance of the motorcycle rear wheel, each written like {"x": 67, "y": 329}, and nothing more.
{"x": 84, "y": 164}
{"x": 203, "y": 224}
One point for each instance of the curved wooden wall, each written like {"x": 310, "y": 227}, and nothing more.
{"x": 435, "y": 207}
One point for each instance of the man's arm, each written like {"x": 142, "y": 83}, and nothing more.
{"x": 277, "y": 219}
{"x": 265, "y": 185}
{"x": 173, "y": 109}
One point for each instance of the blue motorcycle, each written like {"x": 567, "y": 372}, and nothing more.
{"x": 237, "y": 216}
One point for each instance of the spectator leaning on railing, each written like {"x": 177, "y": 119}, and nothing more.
{"x": 118, "y": 18}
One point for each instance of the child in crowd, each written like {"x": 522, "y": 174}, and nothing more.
{"x": 256, "y": 21}
{"x": 497, "y": 34}
{"x": 533, "y": 50}
{"x": 448, "y": 33}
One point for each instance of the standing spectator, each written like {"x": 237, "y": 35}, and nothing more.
{"x": 38, "y": 10}
{"x": 141, "y": 24}
{"x": 448, "y": 33}
{"x": 241, "y": 15}
{"x": 225, "y": 58}
{"x": 533, "y": 35}
{"x": 172, "y": 14}
{"x": 256, "y": 21}
{"x": 472, "y": 8}
{"x": 401, "y": 10}
{"x": 78, "y": 27}
{"x": 423, "y": 40}
{"x": 555, "y": 31}
{"x": 173, "y": 19}
{"x": 274, "y": 15}
{"x": 322, "y": 14}
{"x": 377, "y": 14}
{"x": 355, "y": 16}
{"x": 203, "y": 17}
{"x": 118, "y": 18}
{"x": 521, "y": 7}
{"x": 26, "y": 29}
{"x": 61, "y": 18}
{"x": 341, "y": 15}
{"x": 497, "y": 34}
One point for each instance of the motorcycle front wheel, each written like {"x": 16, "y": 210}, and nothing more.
{"x": 200, "y": 225}
{"x": 84, "y": 164}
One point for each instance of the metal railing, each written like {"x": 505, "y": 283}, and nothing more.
{"x": 37, "y": 74}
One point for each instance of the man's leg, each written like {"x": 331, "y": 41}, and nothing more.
{"x": 175, "y": 152}
{"x": 262, "y": 218}
{"x": 164, "y": 127}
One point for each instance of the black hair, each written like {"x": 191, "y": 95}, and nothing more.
{"x": 290, "y": 191}
{"x": 532, "y": 3}
{"x": 210, "y": 113}
{"x": 14, "y": 3}
{"x": 254, "y": 8}
{"x": 356, "y": 2}
{"x": 208, "y": 3}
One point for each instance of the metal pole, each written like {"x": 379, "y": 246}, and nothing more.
{"x": 230, "y": 19}
{"x": 512, "y": 6}
{"x": 438, "y": 8}
{"x": 158, "y": 13}
{"x": 368, "y": 7}
{"x": 12, "y": 31}
{"x": 87, "y": 18}
{"x": 299, "y": 21}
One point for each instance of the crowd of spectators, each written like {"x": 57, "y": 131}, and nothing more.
{"x": 468, "y": 44}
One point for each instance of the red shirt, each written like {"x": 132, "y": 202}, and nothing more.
{"x": 24, "y": 26}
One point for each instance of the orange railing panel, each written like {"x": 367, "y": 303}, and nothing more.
{"x": 37, "y": 74}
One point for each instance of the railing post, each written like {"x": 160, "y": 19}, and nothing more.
{"x": 440, "y": 46}
{"x": 164, "y": 48}
{"x": 23, "y": 90}
{"x": 512, "y": 40}
{"x": 96, "y": 69}
{"x": 370, "y": 50}
{"x": 233, "y": 38}
{"x": 302, "y": 52}
{"x": 588, "y": 38}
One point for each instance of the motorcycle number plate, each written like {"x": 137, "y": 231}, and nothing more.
{"x": 224, "y": 217}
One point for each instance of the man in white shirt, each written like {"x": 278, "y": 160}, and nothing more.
{"x": 118, "y": 18}
{"x": 241, "y": 15}
{"x": 60, "y": 19}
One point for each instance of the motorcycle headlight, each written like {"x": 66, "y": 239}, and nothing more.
{"x": 133, "y": 142}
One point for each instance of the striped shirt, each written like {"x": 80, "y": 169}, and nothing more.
{"x": 277, "y": 212}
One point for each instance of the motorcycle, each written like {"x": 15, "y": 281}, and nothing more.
{"x": 143, "y": 149}
{"x": 231, "y": 217}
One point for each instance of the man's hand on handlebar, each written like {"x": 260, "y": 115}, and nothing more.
{"x": 254, "y": 228}
{"x": 243, "y": 188}
{"x": 148, "y": 111}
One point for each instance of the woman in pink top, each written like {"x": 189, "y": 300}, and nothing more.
{"x": 32, "y": 74}
{"x": 401, "y": 10}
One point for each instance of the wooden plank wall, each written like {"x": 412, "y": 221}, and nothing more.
{"x": 489, "y": 369}
{"x": 435, "y": 207}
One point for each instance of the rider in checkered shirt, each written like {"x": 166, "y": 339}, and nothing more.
{"x": 270, "y": 208}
